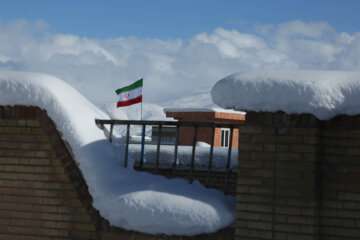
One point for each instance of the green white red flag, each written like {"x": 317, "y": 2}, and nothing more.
{"x": 130, "y": 94}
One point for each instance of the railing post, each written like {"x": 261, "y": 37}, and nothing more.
{"x": 176, "y": 146}
{"x": 127, "y": 145}
{"x": 142, "y": 145}
{"x": 210, "y": 163}
{"x": 193, "y": 152}
{"x": 158, "y": 148}
{"x": 111, "y": 132}
{"x": 228, "y": 163}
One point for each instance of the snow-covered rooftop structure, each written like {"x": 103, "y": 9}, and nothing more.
{"x": 128, "y": 199}
{"x": 205, "y": 114}
{"x": 214, "y": 115}
{"x": 207, "y": 110}
{"x": 324, "y": 94}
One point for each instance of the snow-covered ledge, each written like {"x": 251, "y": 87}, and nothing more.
{"x": 299, "y": 153}
{"x": 324, "y": 94}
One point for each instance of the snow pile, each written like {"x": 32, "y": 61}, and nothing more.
{"x": 128, "y": 199}
{"x": 74, "y": 115}
{"x": 322, "y": 93}
{"x": 202, "y": 144}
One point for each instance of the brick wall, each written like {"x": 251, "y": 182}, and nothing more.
{"x": 340, "y": 206}
{"x": 43, "y": 194}
{"x": 298, "y": 178}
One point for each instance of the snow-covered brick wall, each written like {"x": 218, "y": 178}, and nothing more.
{"x": 324, "y": 94}
{"x": 128, "y": 199}
{"x": 298, "y": 167}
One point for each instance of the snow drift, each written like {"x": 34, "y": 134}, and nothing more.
{"x": 322, "y": 93}
{"x": 128, "y": 199}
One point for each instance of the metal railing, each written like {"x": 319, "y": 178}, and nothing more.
{"x": 160, "y": 125}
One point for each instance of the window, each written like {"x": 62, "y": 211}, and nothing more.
{"x": 225, "y": 137}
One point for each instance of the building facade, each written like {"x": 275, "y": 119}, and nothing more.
{"x": 222, "y": 135}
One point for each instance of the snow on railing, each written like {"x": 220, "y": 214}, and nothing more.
{"x": 193, "y": 156}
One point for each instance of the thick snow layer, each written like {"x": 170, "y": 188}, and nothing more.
{"x": 128, "y": 199}
{"x": 74, "y": 115}
{"x": 213, "y": 109}
{"x": 322, "y": 93}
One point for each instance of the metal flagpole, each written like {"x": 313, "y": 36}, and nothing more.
{"x": 141, "y": 107}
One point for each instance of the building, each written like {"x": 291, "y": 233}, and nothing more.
{"x": 222, "y": 135}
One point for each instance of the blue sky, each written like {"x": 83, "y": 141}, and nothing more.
{"x": 181, "y": 48}
{"x": 176, "y": 19}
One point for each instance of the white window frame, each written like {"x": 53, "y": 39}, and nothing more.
{"x": 225, "y": 137}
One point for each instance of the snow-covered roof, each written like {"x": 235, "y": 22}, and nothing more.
{"x": 324, "y": 94}
{"x": 214, "y": 110}
{"x": 128, "y": 199}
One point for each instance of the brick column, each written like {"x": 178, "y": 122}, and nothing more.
{"x": 340, "y": 208}
{"x": 277, "y": 195}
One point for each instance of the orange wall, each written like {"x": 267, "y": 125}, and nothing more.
{"x": 204, "y": 135}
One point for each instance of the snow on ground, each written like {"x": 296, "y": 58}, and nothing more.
{"x": 201, "y": 160}
{"x": 128, "y": 199}
{"x": 322, "y": 93}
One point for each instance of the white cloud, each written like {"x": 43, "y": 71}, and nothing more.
{"x": 4, "y": 59}
{"x": 177, "y": 67}
{"x": 231, "y": 43}
{"x": 62, "y": 44}
{"x": 299, "y": 29}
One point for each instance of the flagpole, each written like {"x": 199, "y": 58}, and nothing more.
{"x": 142, "y": 100}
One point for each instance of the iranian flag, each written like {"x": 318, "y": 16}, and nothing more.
{"x": 130, "y": 94}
